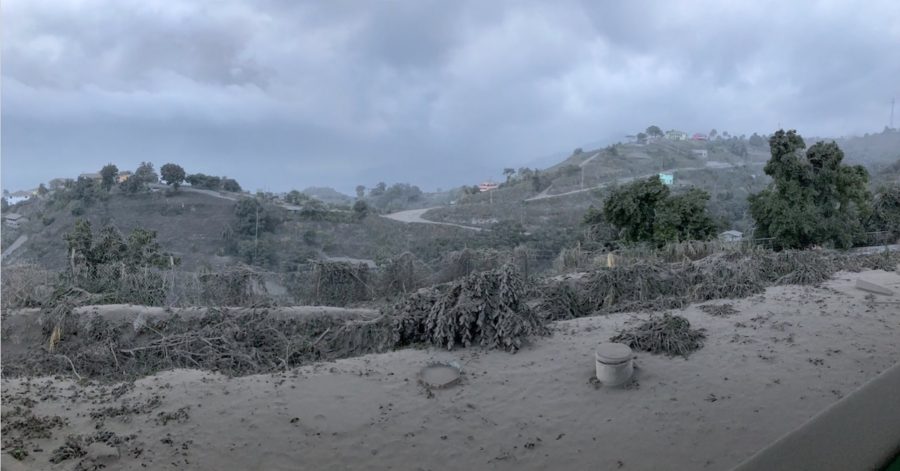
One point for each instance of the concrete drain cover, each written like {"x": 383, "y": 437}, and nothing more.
{"x": 440, "y": 375}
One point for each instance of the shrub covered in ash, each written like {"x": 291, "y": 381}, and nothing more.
{"x": 668, "y": 334}
{"x": 485, "y": 308}
{"x": 340, "y": 283}
{"x": 657, "y": 286}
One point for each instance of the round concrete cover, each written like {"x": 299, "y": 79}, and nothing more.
{"x": 440, "y": 375}
{"x": 613, "y": 352}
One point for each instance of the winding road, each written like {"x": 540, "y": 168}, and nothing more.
{"x": 543, "y": 195}
{"x": 415, "y": 216}
{"x": 15, "y": 245}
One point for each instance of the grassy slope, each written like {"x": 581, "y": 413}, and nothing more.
{"x": 189, "y": 225}
{"x": 629, "y": 161}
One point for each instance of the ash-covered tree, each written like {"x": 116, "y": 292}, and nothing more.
{"x": 80, "y": 241}
{"x": 645, "y": 211}
{"x": 379, "y": 189}
{"x": 230, "y": 184}
{"x": 132, "y": 185}
{"x": 756, "y": 140}
{"x": 138, "y": 181}
{"x": 109, "y": 246}
{"x": 360, "y": 209}
{"x": 145, "y": 173}
{"x": 654, "y": 131}
{"x": 86, "y": 191}
{"x": 253, "y": 218}
{"x": 208, "y": 182}
{"x": 143, "y": 250}
{"x": 684, "y": 217}
{"x": 119, "y": 270}
{"x": 632, "y": 208}
{"x": 360, "y": 192}
{"x": 814, "y": 199}
{"x": 108, "y": 175}
{"x": 172, "y": 174}
{"x": 886, "y": 210}
{"x": 140, "y": 251}
{"x": 296, "y": 198}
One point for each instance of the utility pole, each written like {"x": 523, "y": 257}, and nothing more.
{"x": 892, "y": 113}
{"x": 582, "y": 177}
{"x": 256, "y": 234}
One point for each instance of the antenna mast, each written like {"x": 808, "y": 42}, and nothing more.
{"x": 892, "y": 113}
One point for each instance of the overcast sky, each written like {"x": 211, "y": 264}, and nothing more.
{"x": 289, "y": 94}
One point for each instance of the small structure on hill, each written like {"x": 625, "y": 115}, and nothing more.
{"x": 123, "y": 176}
{"x": 14, "y": 220}
{"x": 92, "y": 176}
{"x": 674, "y": 135}
{"x": 699, "y": 137}
{"x": 487, "y": 186}
{"x": 702, "y": 153}
{"x": 667, "y": 178}
{"x": 731, "y": 236}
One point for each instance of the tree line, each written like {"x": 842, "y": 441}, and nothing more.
{"x": 814, "y": 199}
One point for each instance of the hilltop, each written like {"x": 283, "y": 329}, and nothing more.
{"x": 729, "y": 169}
{"x": 541, "y": 209}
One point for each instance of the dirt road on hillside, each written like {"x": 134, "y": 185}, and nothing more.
{"x": 544, "y": 195}
{"x": 15, "y": 245}
{"x": 415, "y": 215}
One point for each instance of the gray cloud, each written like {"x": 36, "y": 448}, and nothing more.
{"x": 284, "y": 94}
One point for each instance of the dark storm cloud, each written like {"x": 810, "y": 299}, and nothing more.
{"x": 286, "y": 94}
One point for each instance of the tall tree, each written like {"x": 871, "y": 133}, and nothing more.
{"x": 80, "y": 242}
{"x": 886, "y": 210}
{"x": 632, "y": 208}
{"x": 654, "y": 131}
{"x": 230, "y": 184}
{"x": 108, "y": 175}
{"x": 360, "y": 192}
{"x": 172, "y": 174}
{"x": 109, "y": 247}
{"x": 361, "y": 209}
{"x": 813, "y": 199}
{"x": 145, "y": 173}
{"x": 645, "y": 211}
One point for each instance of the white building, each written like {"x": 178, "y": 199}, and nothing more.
{"x": 731, "y": 236}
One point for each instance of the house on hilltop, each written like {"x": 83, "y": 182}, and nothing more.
{"x": 20, "y": 196}
{"x": 14, "y": 220}
{"x": 699, "y": 137}
{"x": 92, "y": 176}
{"x": 123, "y": 176}
{"x": 674, "y": 135}
{"x": 487, "y": 186}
